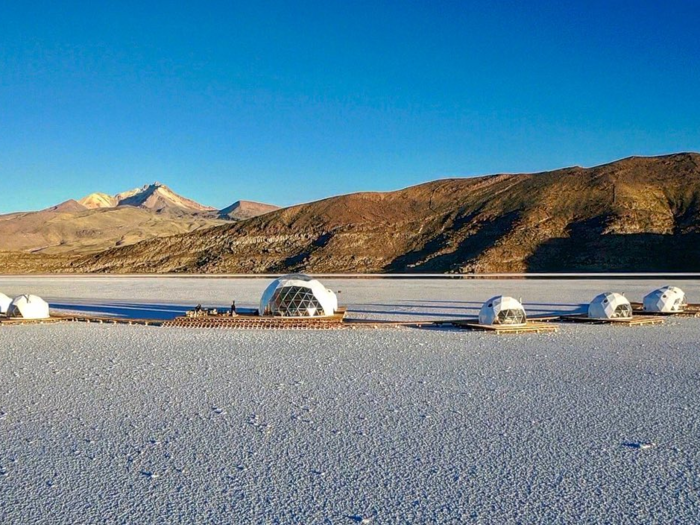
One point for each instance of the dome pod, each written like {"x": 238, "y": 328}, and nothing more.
{"x": 502, "y": 310}
{"x": 666, "y": 300}
{"x": 610, "y": 306}
{"x": 28, "y": 307}
{"x": 298, "y": 295}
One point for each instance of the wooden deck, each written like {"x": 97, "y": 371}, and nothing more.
{"x": 9, "y": 321}
{"x": 65, "y": 318}
{"x": 256, "y": 322}
{"x": 531, "y": 327}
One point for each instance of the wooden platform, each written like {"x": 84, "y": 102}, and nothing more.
{"x": 531, "y": 327}
{"x": 66, "y": 318}
{"x": 8, "y": 321}
{"x": 637, "y": 320}
{"x": 255, "y": 322}
{"x": 691, "y": 310}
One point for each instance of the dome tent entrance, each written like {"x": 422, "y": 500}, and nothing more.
{"x": 298, "y": 295}
{"x": 5, "y": 302}
{"x": 610, "y": 306}
{"x": 28, "y": 307}
{"x": 666, "y": 300}
{"x": 502, "y": 310}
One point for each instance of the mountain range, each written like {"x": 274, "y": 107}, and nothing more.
{"x": 636, "y": 214}
{"x": 154, "y": 196}
{"x": 100, "y": 221}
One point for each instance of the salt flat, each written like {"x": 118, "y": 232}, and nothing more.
{"x": 129, "y": 424}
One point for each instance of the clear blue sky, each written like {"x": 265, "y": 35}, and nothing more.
{"x": 286, "y": 102}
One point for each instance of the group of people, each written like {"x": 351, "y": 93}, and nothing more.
{"x": 203, "y": 312}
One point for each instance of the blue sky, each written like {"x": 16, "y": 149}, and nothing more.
{"x": 286, "y": 102}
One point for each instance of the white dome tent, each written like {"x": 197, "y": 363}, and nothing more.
{"x": 610, "y": 306}
{"x": 5, "y": 302}
{"x": 298, "y": 295}
{"x": 28, "y": 307}
{"x": 502, "y": 310}
{"x": 666, "y": 300}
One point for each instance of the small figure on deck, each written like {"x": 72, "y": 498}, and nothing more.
{"x": 233, "y": 309}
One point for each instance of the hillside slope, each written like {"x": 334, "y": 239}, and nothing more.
{"x": 242, "y": 210}
{"x": 636, "y": 214}
{"x": 68, "y": 230}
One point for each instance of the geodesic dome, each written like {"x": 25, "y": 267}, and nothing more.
{"x": 666, "y": 300}
{"x": 502, "y": 310}
{"x": 610, "y": 306}
{"x": 28, "y": 307}
{"x": 298, "y": 295}
{"x": 4, "y": 303}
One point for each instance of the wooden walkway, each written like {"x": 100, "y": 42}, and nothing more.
{"x": 637, "y": 320}
{"x": 9, "y": 321}
{"x": 63, "y": 318}
{"x": 527, "y": 328}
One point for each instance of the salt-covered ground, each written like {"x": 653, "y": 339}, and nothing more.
{"x": 131, "y": 424}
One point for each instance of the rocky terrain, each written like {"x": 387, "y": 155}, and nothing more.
{"x": 636, "y": 214}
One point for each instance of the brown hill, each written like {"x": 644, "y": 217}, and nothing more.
{"x": 635, "y": 214}
{"x": 67, "y": 206}
{"x": 242, "y": 210}
{"x": 66, "y": 229}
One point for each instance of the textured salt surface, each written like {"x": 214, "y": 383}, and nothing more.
{"x": 135, "y": 424}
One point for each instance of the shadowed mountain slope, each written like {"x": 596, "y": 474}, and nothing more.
{"x": 159, "y": 197}
{"x": 636, "y": 214}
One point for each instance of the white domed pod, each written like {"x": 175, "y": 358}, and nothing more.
{"x": 502, "y": 310}
{"x": 665, "y": 300}
{"x": 332, "y": 300}
{"x": 610, "y": 306}
{"x": 28, "y": 307}
{"x": 5, "y": 302}
{"x": 298, "y": 295}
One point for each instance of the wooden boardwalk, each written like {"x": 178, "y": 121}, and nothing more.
{"x": 64, "y": 318}
{"x": 637, "y": 320}
{"x": 531, "y": 327}
{"x": 9, "y": 321}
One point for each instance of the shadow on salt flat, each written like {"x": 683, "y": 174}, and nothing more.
{"x": 420, "y": 308}
{"x": 124, "y": 310}
{"x": 445, "y": 309}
